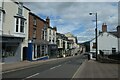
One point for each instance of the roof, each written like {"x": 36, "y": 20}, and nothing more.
{"x": 54, "y": 28}
{"x": 37, "y": 16}
{"x": 113, "y": 33}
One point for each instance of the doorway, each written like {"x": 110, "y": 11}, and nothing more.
{"x": 24, "y": 53}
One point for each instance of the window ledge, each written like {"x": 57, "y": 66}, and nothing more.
{"x": 18, "y": 34}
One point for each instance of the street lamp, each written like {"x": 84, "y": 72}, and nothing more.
{"x": 95, "y": 33}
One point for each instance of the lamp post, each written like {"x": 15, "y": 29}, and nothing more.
{"x": 95, "y": 33}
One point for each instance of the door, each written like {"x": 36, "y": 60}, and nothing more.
{"x": 24, "y": 53}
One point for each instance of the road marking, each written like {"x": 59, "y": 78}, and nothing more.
{"x": 55, "y": 67}
{"x": 81, "y": 65}
{"x": 33, "y": 75}
{"x": 15, "y": 70}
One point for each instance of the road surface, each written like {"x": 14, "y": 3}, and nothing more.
{"x": 62, "y": 68}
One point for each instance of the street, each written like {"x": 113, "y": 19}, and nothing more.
{"x": 63, "y": 68}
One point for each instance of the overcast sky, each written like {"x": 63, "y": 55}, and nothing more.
{"x": 74, "y": 16}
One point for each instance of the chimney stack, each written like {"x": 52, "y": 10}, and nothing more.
{"x": 48, "y": 21}
{"x": 104, "y": 27}
{"x": 118, "y": 30}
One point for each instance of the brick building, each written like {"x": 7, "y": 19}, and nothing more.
{"x": 38, "y": 45}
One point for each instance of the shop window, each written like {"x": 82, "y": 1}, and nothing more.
{"x": 43, "y": 50}
{"x": 38, "y": 51}
{"x": 9, "y": 49}
{"x": 113, "y": 50}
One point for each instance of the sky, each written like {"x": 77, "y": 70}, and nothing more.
{"x": 74, "y": 16}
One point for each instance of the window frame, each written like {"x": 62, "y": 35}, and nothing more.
{"x": 19, "y": 25}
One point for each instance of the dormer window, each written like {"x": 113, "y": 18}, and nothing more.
{"x": 20, "y": 9}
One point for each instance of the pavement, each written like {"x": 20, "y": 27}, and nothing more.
{"x": 94, "y": 69}
{"x": 11, "y": 66}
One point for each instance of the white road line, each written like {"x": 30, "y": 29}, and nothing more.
{"x": 33, "y": 75}
{"x": 16, "y": 69}
{"x": 78, "y": 70}
{"x": 55, "y": 67}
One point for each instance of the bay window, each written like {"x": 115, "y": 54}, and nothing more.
{"x": 20, "y": 25}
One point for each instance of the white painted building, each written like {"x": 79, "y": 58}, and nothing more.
{"x": 1, "y": 16}
{"x": 51, "y": 38}
{"x": 74, "y": 45}
{"x": 51, "y": 35}
{"x": 15, "y": 31}
{"x": 107, "y": 42}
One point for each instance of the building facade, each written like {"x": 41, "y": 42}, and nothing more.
{"x": 1, "y": 17}
{"x": 108, "y": 42}
{"x": 60, "y": 44}
{"x": 51, "y": 38}
{"x": 38, "y": 45}
{"x": 75, "y": 46}
{"x": 15, "y": 29}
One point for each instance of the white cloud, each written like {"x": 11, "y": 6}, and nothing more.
{"x": 65, "y": 0}
{"x": 75, "y": 15}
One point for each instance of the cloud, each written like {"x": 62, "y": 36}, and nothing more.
{"x": 74, "y": 16}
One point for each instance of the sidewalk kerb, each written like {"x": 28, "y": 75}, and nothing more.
{"x": 79, "y": 69}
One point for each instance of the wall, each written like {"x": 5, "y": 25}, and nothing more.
{"x": 91, "y": 44}
{"x": 106, "y": 42}
{"x": 39, "y": 27}
{"x": 1, "y": 22}
{"x": 11, "y": 10}
{"x": 52, "y": 36}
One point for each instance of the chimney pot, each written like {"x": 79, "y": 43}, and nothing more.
{"x": 48, "y": 21}
{"x": 104, "y": 27}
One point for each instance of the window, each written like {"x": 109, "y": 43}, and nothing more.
{"x": 34, "y": 21}
{"x": 49, "y": 32}
{"x": 113, "y": 50}
{"x": 34, "y": 33}
{"x": 94, "y": 46}
{"x": 20, "y": 9}
{"x": 49, "y": 39}
{"x": 53, "y": 40}
{"x": 42, "y": 34}
{"x": 19, "y": 24}
{"x": 22, "y": 26}
{"x": 43, "y": 50}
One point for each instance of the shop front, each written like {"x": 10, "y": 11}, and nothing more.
{"x": 37, "y": 50}
{"x": 52, "y": 50}
{"x": 11, "y": 49}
